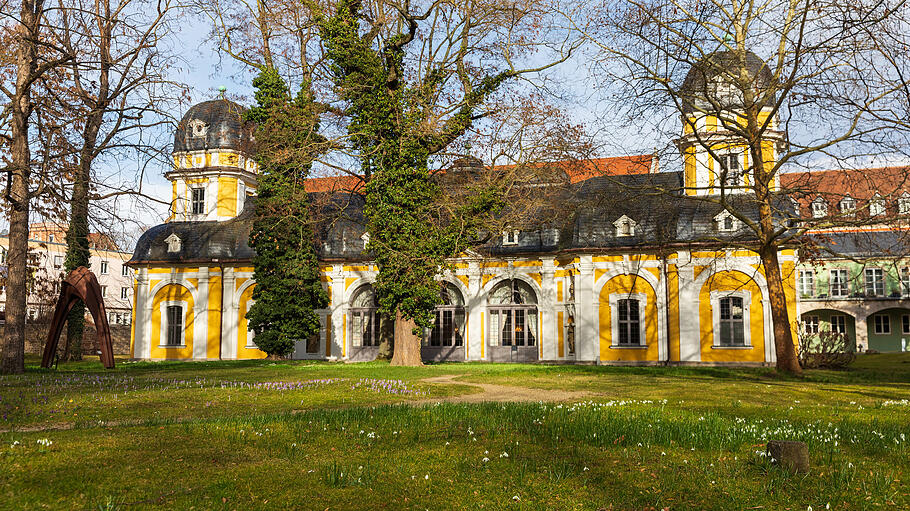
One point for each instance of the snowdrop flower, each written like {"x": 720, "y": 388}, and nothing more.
{"x": 426, "y": 477}
{"x": 485, "y": 460}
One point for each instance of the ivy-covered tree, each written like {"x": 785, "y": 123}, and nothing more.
{"x": 286, "y": 270}
{"x": 396, "y": 125}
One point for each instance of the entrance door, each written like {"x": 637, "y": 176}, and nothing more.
{"x": 514, "y": 323}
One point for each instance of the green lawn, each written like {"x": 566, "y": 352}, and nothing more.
{"x": 308, "y": 435}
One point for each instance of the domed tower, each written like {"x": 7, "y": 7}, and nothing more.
{"x": 716, "y": 156}
{"x": 213, "y": 167}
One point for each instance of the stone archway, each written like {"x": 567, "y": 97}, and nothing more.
{"x": 80, "y": 284}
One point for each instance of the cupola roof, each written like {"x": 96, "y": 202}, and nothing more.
{"x": 215, "y": 124}
{"x": 701, "y": 80}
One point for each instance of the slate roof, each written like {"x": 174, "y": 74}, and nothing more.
{"x": 696, "y": 83}
{"x": 580, "y": 216}
{"x": 225, "y": 128}
{"x": 200, "y": 241}
{"x": 862, "y": 243}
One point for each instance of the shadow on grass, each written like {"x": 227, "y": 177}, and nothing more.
{"x": 884, "y": 368}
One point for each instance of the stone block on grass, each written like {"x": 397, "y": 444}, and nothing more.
{"x": 792, "y": 455}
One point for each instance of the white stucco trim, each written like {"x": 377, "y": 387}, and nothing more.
{"x": 614, "y": 319}
{"x": 715, "y": 317}
{"x": 162, "y": 330}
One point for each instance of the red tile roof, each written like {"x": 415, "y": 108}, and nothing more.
{"x": 576, "y": 171}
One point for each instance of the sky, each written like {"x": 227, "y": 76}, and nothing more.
{"x": 204, "y": 71}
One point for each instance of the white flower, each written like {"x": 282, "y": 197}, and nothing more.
{"x": 426, "y": 477}
{"x": 585, "y": 469}
{"x": 485, "y": 460}
{"x": 516, "y": 498}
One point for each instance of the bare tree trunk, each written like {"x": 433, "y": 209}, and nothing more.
{"x": 17, "y": 193}
{"x": 780, "y": 318}
{"x": 407, "y": 345}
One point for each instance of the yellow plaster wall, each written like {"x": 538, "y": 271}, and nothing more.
{"x": 227, "y": 196}
{"x": 242, "y": 351}
{"x": 172, "y": 293}
{"x": 673, "y": 310}
{"x": 731, "y": 281}
{"x": 559, "y": 336}
{"x": 622, "y": 284}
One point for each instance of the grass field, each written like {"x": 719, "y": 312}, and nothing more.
{"x": 308, "y": 435}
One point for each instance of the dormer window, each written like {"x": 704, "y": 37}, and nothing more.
{"x": 173, "y": 244}
{"x": 819, "y": 208}
{"x": 197, "y": 128}
{"x": 877, "y": 206}
{"x": 730, "y": 170}
{"x": 847, "y": 206}
{"x": 795, "y": 204}
{"x": 726, "y": 222}
{"x": 903, "y": 204}
{"x": 625, "y": 227}
{"x": 510, "y": 237}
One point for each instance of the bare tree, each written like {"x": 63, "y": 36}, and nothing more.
{"x": 34, "y": 57}
{"x": 830, "y": 83}
{"x": 116, "y": 90}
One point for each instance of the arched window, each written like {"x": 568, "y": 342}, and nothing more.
{"x": 513, "y": 314}
{"x": 448, "y": 329}
{"x": 364, "y": 317}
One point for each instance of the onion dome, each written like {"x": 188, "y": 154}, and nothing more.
{"x": 709, "y": 79}
{"x": 215, "y": 124}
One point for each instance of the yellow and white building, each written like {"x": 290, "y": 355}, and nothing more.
{"x": 610, "y": 279}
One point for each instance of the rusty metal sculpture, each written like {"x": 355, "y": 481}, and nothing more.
{"x": 81, "y": 284}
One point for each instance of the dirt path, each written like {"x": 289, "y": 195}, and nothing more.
{"x": 501, "y": 393}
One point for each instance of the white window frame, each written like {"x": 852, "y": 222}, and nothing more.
{"x": 903, "y": 204}
{"x": 866, "y": 282}
{"x": 174, "y": 244}
{"x": 811, "y": 324}
{"x": 733, "y": 179}
{"x": 904, "y": 274}
{"x": 875, "y": 324}
{"x": 162, "y": 331}
{"x": 837, "y": 329}
{"x": 194, "y": 201}
{"x": 104, "y": 268}
{"x": 819, "y": 208}
{"x": 845, "y": 285}
{"x": 715, "y": 317}
{"x": 250, "y": 333}
{"x": 801, "y": 283}
{"x": 58, "y": 261}
{"x": 103, "y": 291}
{"x": 124, "y": 293}
{"x": 847, "y": 206}
{"x": 125, "y": 271}
{"x": 510, "y": 237}
{"x": 720, "y": 221}
{"x": 614, "y": 320}
{"x": 905, "y": 324}
{"x": 877, "y": 206}
{"x": 625, "y": 227}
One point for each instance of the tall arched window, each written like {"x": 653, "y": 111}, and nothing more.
{"x": 364, "y": 318}
{"x": 448, "y": 329}
{"x": 513, "y": 314}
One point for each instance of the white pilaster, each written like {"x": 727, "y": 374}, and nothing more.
{"x": 201, "y": 316}
{"x": 142, "y": 347}
{"x": 548, "y": 331}
{"x": 587, "y": 335}
{"x": 229, "y": 319}
{"x": 338, "y": 308}
{"x": 689, "y": 327}
{"x": 475, "y": 304}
